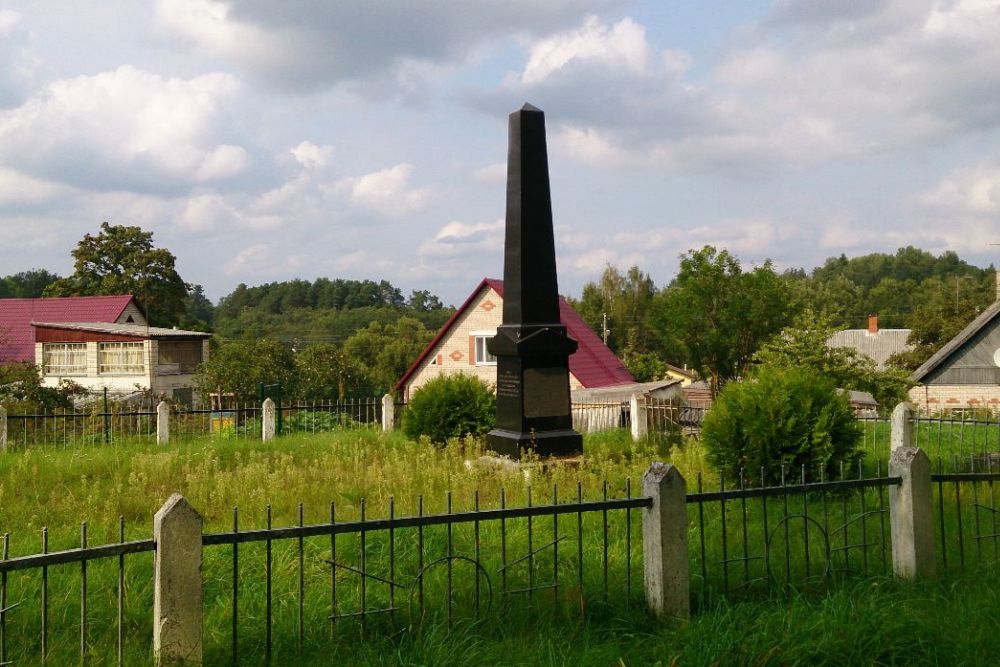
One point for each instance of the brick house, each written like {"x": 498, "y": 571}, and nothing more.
{"x": 100, "y": 342}
{"x": 965, "y": 373}
{"x": 460, "y": 346}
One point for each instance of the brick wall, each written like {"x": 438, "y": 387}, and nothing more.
{"x": 938, "y": 398}
{"x": 455, "y": 352}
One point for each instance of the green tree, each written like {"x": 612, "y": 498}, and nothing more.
{"x": 782, "y": 417}
{"x": 625, "y": 298}
{"x": 323, "y": 370}
{"x": 199, "y": 312}
{"x": 241, "y": 366}
{"x": 804, "y": 345}
{"x": 26, "y": 284}
{"x": 937, "y": 321}
{"x": 385, "y": 351}
{"x": 719, "y": 315}
{"x": 122, "y": 260}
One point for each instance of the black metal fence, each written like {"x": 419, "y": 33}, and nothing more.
{"x": 279, "y": 591}
{"x": 795, "y": 534}
{"x": 389, "y": 572}
{"x": 116, "y": 422}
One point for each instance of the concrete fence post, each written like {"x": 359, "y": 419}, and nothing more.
{"x": 901, "y": 427}
{"x": 664, "y": 542}
{"x": 638, "y": 417}
{"x": 162, "y": 423}
{"x": 911, "y": 514}
{"x": 267, "y": 417}
{"x": 3, "y": 428}
{"x": 388, "y": 413}
{"x": 177, "y": 585}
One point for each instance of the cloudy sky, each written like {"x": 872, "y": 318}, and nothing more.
{"x": 268, "y": 140}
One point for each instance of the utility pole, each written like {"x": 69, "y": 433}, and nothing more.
{"x": 604, "y": 327}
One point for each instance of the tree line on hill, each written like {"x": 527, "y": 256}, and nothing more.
{"x": 715, "y": 316}
{"x": 718, "y": 318}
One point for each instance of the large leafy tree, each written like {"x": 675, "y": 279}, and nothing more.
{"x": 385, "y": 351}
{"x": 718, "y": 314}
{"x": 324, "y": 371}
{"x": 241, "y": 366}
{"x": 122, "y": 260}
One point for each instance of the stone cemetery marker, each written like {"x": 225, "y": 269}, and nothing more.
{"x": 531, "y": 346}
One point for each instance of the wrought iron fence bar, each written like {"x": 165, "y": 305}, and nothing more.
{"x": 733, "y": 494}
{"x": 77, "y": 555}
{"x": 316, "y": 530}
{"x": 966, "y": 477}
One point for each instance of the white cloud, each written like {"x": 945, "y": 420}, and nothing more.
{"x": 459, "y": 238}
{"x": 968, "y": 191}
{"x": 491, "y": 174}
{"x": 305, "y": 46}
{"x": 263, "y": 262}
{"x": 19, "y": 189}
{"x": 812, "y": 83}
{"x": 386, "y": 191}
{"x": 18, "y": 64}
{"x": 8, "y": 21}
{"x": 125, "y": 129}
{"x": 621, "y": 47}
{"x": 311, "y": 156}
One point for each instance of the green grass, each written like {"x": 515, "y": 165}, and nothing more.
{"x": 837, "y": 621}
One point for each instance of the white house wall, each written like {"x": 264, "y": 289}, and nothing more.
{"x": 455, "y": 354}
{"x": 161, "y": 384}
{"x": 94, "y": 381}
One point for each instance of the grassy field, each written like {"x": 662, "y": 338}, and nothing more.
{"x": 873, "y": 621}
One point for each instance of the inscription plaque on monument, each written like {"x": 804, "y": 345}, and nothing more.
{"x": 531, "y": 346}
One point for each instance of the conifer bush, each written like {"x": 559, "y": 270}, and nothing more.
{"x": 450, "y": 406}
{"x": 789, "y": 417}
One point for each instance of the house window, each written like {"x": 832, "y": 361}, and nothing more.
{"x": 186, "y": 354}
{"x": 120, "y": 358}
{"x": 64, "y": 358}
{"x": 483, "y": 356}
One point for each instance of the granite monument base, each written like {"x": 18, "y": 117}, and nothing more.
{"x": 561, "y": 442}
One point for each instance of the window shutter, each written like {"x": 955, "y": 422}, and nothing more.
{"x": 472, "y": 350}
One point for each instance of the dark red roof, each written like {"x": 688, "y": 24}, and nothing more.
{"x": 593, "y": 363}
{"x": 17, "y": 338}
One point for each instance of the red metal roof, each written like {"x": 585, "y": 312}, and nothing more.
{"x": 17, "y": 337}
{"x": 593, "y": 363}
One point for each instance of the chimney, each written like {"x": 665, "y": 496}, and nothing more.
{"x": 873, "y": 324}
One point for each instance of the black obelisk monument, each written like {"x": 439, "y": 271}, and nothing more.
{"x": 531, "y": 346}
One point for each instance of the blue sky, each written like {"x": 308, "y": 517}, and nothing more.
{"x": 264, "y": 141}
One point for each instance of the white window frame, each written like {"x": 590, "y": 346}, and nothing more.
{"x": 483, "y": 356}
{"x": 129, "y": 351}
{"x": 64, "y": 359}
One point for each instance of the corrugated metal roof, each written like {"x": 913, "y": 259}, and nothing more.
{"x": 137, "y": 330}
{"x": 17, "y": 338}
{"x": 878, "y": 346}
{"x": 593, "y": 363}
{"x": 623, "y": 392}
{"x": 958, "y": 341}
